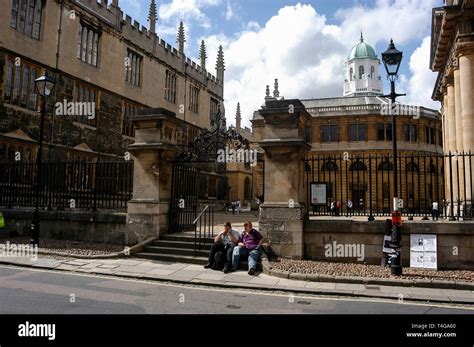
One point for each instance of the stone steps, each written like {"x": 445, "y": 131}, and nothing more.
{"x": 187, "y": 250}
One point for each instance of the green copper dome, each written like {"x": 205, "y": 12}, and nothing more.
{"x": 362, "y": 50}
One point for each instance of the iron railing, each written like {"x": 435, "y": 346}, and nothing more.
{"x": 75, "y": 185}
{"x": 203, "y": 227}
{"x": 367, "y": 181}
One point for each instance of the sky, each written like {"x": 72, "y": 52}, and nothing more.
{"x": 303, "y": 44}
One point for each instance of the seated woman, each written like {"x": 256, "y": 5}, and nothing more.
{"x": 250, "y": 245}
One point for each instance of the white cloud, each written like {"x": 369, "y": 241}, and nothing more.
{"x": 306, "y": 54}
{"x": 230, "y": 11}
{"x": 186, "y": 10}
{"x": 421, "y": 84}
{"x": 291, "y": 47}
{"x": 402, "y": 20}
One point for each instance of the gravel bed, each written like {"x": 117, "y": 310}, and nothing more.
{"x": 69, "y": 247}
{"x": 361, "y": 270}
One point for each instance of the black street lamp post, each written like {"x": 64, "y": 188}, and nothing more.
{"x": 44, "y": 87}
{"x": 392, "y": 59}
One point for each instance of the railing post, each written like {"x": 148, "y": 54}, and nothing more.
{"x": 371, "y": 216}
{"x": 458, "y": 184}
{"x": 10, "y": 195}
{"x": 195, "y": 239}
{"x": 471, "y": 182}
{"x": 96, "y": 174}
{"x": 451, "y": 185}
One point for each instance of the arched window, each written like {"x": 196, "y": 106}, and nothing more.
{"x": 351, "y": 72}
{"x": 385, "y": 166}
{"x": 361, "y": 72}
{"x": 358, "y": 166}
{"x": 247, "y": 195}
{"x": 372, "y": 72}
{"x": 330, "y": 166}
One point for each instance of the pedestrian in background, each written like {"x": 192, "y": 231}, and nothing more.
{"x": 434, "y": 210}
{"x": 333, "y": 208}
{"x": 349, "y": 207}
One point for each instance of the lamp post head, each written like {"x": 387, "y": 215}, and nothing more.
{"x": 45, "y": 85}
{"x": 392, "y": 58}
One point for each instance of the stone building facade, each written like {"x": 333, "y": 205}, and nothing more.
{"x": 103, "y": 59}
{"x": 452, "y": 56}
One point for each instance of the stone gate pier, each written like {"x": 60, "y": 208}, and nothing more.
{"x": 285, "y": 140}
{"x": 156, "y": 143}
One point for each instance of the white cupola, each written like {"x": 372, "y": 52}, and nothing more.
{"x": 362, "y": 77}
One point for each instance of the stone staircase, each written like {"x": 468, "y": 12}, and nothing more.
{"x": 177, "y": 248}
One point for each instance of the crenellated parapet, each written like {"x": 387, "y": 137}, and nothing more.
{"x": 147, "y": 41}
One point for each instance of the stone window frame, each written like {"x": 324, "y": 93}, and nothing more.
{"x": 194, "y": 98}
{"x": 78, "y": 86}
{"x": 387, "y": 131}
{"x": 89, "y": 52}
{"x": 134, "y": 71}
{"x": 358, "y": 137}
{"x": 410, "y": 132}
{"x": 330, "y": 137}
{"x": 171, "y": 80}
{"x": 26, "y": 98}
{"x": 26, "y": 16}
{"x": 213, "y": 107}
{"x": 430, "y": 135}
{"x": 128, "y": 111}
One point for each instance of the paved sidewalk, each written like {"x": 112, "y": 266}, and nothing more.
{"x": 196, "y": 274}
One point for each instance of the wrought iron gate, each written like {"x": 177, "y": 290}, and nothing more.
{"x": 184, "y": 194}
{"x": 197, "y": 174}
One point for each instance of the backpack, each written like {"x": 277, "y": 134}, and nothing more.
{"x": 219, "y": 261}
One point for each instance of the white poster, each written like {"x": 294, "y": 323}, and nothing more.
{"x": 318, "y": 194}
{"x": 423, "y": 251}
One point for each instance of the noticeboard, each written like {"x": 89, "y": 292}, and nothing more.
{"x": 319, "y": 193}
{"x": 423, "y": 251}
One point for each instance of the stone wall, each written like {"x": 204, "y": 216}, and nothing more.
{"x": 78, "y": 226}
{"x": 319, "y": 233}
{"x": 282, "y": 227}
